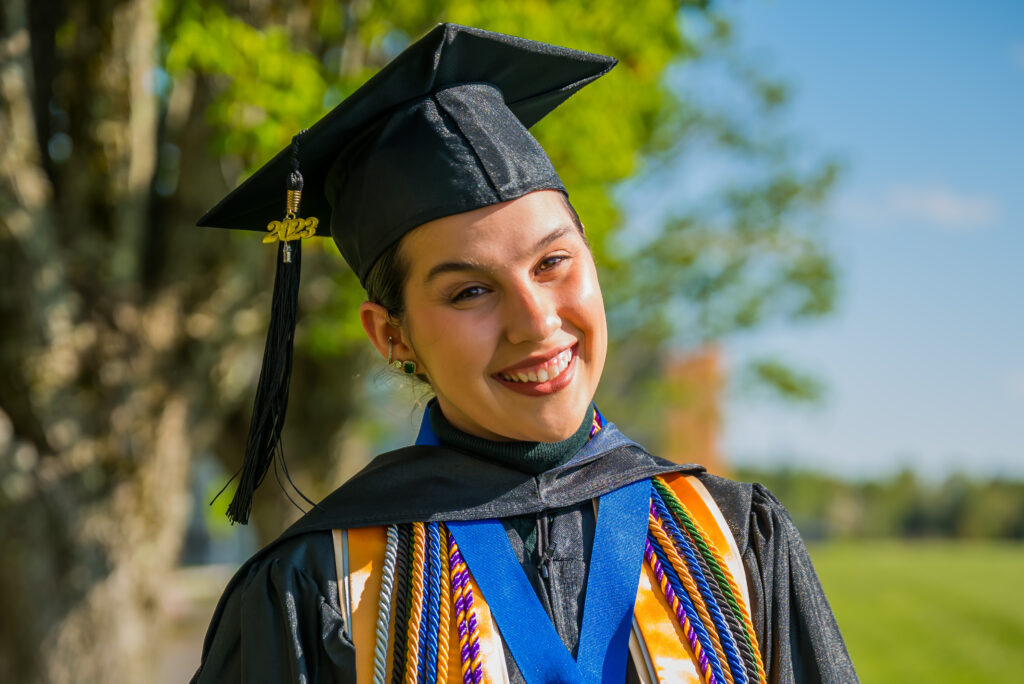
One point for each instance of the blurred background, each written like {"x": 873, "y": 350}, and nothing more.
{"x": 806, "y": 217}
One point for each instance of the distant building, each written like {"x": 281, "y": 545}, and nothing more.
{"x": 693, "y": 414}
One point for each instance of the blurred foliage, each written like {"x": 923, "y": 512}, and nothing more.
{"x": 904, "y": 505}
{"x": 781, "y": 379}
{"x": 259, "y": 78}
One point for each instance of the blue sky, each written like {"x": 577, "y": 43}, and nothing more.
{"x": 924, "y": 358}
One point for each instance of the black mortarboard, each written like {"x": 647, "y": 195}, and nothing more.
{"x": 440, "y": 130}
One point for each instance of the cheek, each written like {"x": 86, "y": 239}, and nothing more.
{"x": 449, "y": 339}
{"x": 589, "y": 315}
{"x": 589, "y": 302}
{"x": 588, "y": 288}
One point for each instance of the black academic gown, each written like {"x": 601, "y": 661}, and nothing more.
{"x": 279, "y": 619}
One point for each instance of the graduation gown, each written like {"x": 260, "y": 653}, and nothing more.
{"x": 280, "y": 620}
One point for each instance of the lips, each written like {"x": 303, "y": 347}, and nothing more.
{"x": 540, "y": 372}
{"x": 545, "y": 377}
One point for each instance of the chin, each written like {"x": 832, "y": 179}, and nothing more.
{"x": 558, "y": 427}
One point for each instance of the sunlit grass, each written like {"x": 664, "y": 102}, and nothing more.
{"x": 927, "y": 611}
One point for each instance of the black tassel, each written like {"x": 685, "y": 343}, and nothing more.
{"x": 268, "y": 411}
{"x": 271, "y": 402}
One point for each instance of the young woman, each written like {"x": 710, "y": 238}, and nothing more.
{"x": 523, "y": 538}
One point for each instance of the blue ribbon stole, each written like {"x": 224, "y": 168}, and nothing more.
{"x": 612, "y": 582}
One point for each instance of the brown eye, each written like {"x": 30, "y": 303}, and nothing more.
{"x": 467, "y": 293}
{"x": 550, "y": 262}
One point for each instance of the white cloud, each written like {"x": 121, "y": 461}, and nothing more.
{"x": 943, "y": 206}
{"x": 929, "y": 205}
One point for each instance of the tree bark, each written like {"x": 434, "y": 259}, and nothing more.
{"x": 94, "y": 426}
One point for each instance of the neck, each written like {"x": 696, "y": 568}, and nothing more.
{"x": 531, "y": 457}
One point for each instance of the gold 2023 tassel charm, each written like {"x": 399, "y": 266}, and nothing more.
{"x": 293, "y": 227}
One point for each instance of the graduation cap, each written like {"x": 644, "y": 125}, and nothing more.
{"x": 440, "y": 130}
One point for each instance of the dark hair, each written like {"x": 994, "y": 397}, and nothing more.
{"x": 385, "y": 281}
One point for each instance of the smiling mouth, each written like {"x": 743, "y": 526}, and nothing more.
{"x": 542, "y": 372}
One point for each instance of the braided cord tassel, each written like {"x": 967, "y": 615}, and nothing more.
{"x": 717, "y": 630}
{"x": 433, "y": 606}
{"x": 402, "y": 591}
{"x": 707, "y": 547}
{"x": 736, "y": 628}
{"x": 459, "y": 603}
{"x": 416, "y": 607}
{"x": 380, "y": 650}
{"x": 476, "y": 664}
{"x": 469, "y": 632}
{"x": 689, "y": 587}
{"x": 708, "y": 550}
{"x": 692, "y": 568}
{"x": 597, "y": 423}
{"x": 444, "y": 626}
{"x": 719, "y": 569}
{"x": 684, "y": 597}
{"x": 680, "y": 612}
{"x": 421, "y": 655}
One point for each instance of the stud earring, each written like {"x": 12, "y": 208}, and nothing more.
{"x": 407, "y": 367}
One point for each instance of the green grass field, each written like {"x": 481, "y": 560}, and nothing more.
{"x": 928, "y": 611}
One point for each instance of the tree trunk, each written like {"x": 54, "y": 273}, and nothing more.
{"x": 94, "y": 425}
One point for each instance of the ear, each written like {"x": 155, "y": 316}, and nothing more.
{"x": 379, "y": 327}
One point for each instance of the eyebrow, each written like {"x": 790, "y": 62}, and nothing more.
{"x": 471, "y": 265}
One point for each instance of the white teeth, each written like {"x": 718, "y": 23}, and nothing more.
{"x": 550, "y": 371}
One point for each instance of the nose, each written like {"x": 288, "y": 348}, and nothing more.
{"x": 531, "y": 313}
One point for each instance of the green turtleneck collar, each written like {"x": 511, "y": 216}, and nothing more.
{"x": 530, "y": 457}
